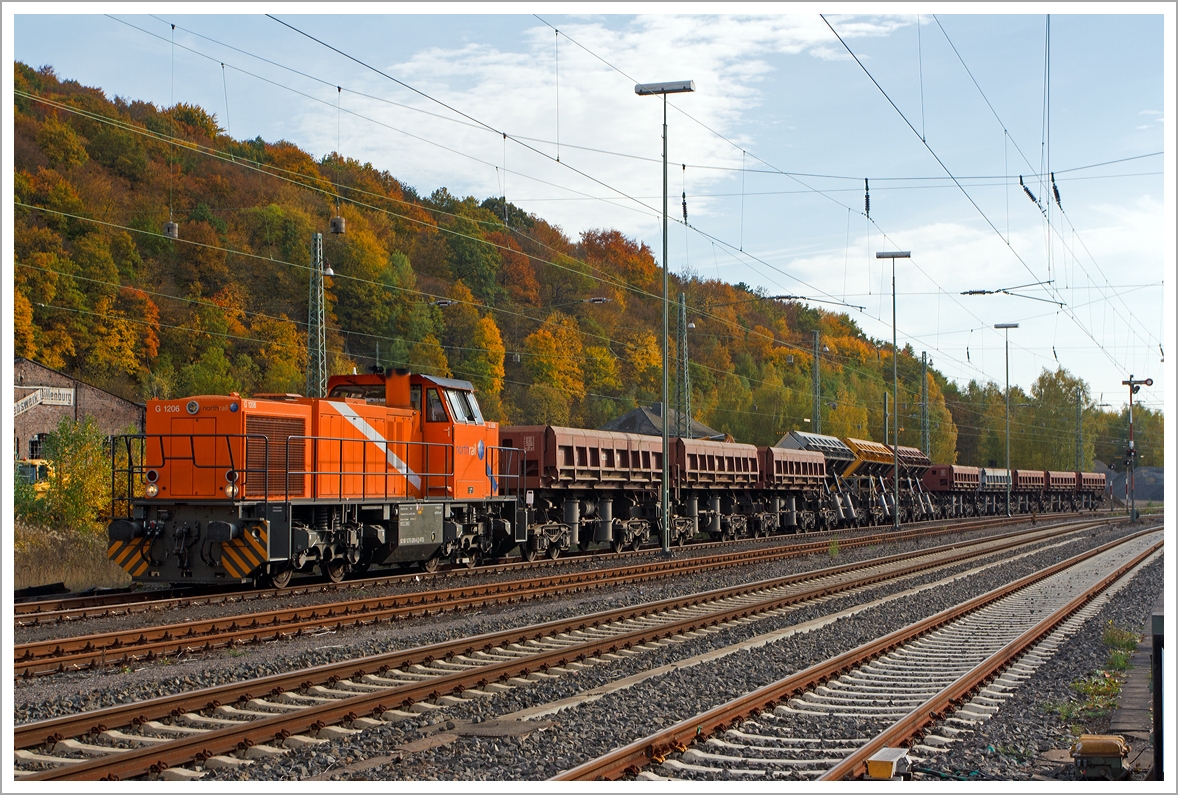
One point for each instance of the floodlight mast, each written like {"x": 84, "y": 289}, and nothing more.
{"x": 656, "y": 89}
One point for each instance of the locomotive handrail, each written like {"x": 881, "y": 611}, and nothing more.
{"x": 135, "y": 470}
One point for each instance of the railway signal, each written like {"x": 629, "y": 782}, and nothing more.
{"x": 1131, "y": 456}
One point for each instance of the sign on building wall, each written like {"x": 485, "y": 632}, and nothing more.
{"x": 47, "y": 395}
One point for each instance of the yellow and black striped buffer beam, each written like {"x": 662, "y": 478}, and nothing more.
{"x": 242, "y": 556}
{"x": 129, "y": 556}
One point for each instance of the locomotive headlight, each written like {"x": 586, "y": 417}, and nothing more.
{"x": 231, "y": 490}
{"x": 151, "y": 489}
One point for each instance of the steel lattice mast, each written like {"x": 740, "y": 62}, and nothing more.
{"x": 316, "y": 342}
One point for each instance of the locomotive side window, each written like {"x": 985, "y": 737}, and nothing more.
{"x": 369, "y": 393}
{"x": 435, "y": 411}
{"x": 415, "y": 397}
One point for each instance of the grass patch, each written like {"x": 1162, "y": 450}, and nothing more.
{"x": 1097, "y": 694}
{"x": 1119, "y": 638}
{"x": 43, "y": 556}
{"x": 833, "y": 549}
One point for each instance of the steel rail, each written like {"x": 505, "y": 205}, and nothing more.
{"x": 631, "y": 758}
{"x": 939, "y": 705}
{"x": 40, "y": 612}
{"x": 126, "y": 646}
{"x": 51, "y": 731}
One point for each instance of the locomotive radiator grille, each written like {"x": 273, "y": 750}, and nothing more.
{"x": 266, "y": 464}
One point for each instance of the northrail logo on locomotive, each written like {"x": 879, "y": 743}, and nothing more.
{"x": 372, "y": 435}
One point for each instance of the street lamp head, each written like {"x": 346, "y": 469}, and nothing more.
{"x": 893, "y": 255}
{"x": 1005, "y": 325}
{"x": 442, "y": 302}
{"x": 327, "y": 271}
{"x": 598, "y": 300}
{"x": 673, "y": 87}
{"x": 691, "y": 325}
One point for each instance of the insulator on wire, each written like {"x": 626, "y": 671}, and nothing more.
{"x": 172, "y": 230}
{"x": 1055, "y": 190}
{"x": 1029, "y": 194}
{"x": 866, "y": 198}
{"x": 684, "y": 206}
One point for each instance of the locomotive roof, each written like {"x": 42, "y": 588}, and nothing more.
{"x": 448, "y": 383}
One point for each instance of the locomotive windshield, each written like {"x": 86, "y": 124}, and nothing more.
{"x": 464, "y": 406}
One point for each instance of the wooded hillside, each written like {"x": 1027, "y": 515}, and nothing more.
{"x": 103, "y": 293}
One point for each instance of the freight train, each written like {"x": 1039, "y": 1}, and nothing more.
{"x": 400, "y": 469}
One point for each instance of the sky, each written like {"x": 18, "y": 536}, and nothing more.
{"x": 940, "y": 112}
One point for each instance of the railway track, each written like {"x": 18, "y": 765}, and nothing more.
{"x": 955, "y": 667}
{"x": 63, "y": 609}
{"x": 134, "y": 645}
{"x": 232, "y": 724}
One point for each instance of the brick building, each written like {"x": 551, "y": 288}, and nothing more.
{"x": 43, "y": 397}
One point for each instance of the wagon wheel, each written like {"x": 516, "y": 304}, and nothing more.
{"x": 617, "y": 546}
{"x": 530, "y": 554}
{"x": 280, "y": 577}
{"x": 583, "y": 544}
{"x": 334, "y": 569}
{"x": 473, "y": 558}
{"x": 681, "y": 540}
{"x": 431, "y": 563}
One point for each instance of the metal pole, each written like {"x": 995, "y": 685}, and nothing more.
{"x": 896, "y": 403}
{"x": 925, "y": 440}
{"x": 665, "y": 489}
{"x": 817, "y": 426}
{"x": 1132, "y": 459}
{"x": 1079, "y": 429}
{"x": 1009, "y": 474}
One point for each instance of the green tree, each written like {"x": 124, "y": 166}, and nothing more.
{"x": 79, "y": 488}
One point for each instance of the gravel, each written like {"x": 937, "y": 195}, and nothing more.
{"x": 46, "y": 697}
{"x": 591, "y": 729}
{"x": 1012, "y": 744}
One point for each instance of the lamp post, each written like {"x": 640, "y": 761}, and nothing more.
{"x": 1134, "y": 387}
{"x": 893, "y": 256}
{"x": 1006, "y": 327}
{"x": 656, "y": 89}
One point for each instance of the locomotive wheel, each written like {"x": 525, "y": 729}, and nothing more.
{"x": 473, "y": 558}
{"x": 334, "y": 569}
{"x": 617, "y": 546}
{"x": 431, "y": 564}
{"x": 553, "y": 551}
{"x": 280, "y": 578}
{"x": 530, "y": 554}
{"x": 583, "y": 545}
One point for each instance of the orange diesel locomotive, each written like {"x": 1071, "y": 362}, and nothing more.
{"x": 388, "y": 468}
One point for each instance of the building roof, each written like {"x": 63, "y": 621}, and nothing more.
{"x": 18, "y": 359}
{"x": 647, "y": 420}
